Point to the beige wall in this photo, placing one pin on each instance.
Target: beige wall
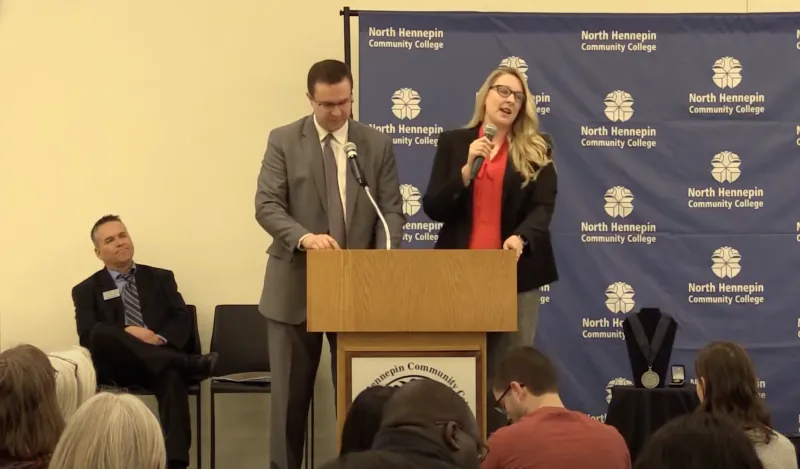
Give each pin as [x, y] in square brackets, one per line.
[159, 111]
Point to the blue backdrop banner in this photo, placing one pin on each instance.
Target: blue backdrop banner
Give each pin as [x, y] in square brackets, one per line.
[676, 137]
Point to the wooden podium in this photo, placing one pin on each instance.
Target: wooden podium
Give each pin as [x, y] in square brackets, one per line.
[405, 314]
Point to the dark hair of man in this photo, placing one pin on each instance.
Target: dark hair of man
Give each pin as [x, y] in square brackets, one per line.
[699, 440]
[363, 419]
[423, 403]
[730, 388]
[528, 367]
[102, 221]
[329, 72]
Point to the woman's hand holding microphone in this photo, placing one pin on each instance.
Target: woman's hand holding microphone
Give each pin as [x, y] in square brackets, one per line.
[480, 147]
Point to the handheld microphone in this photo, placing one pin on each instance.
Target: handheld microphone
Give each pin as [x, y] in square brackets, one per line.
[489, 131]
[351, 151]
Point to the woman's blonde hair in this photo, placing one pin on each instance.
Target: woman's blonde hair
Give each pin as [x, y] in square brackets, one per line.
[529, 151]
[30, 420]
[76, 379]
[111, 431]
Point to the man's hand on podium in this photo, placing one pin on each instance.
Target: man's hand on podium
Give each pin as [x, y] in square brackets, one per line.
[318, 241]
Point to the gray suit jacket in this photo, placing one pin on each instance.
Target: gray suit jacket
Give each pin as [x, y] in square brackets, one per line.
[291, 202]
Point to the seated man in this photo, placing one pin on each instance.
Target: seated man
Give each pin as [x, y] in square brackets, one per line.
[544, 434]
[425, 425]
[136, 325]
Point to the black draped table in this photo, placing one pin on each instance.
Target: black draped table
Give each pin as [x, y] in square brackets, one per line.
[638, 412]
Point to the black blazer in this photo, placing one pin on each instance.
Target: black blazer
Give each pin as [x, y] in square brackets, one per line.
[163, 308]
[525, 211]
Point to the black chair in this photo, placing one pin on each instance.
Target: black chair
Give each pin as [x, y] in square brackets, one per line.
[240, 338]
[195, 347]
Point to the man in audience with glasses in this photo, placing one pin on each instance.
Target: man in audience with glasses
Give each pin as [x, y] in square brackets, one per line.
[544, 434]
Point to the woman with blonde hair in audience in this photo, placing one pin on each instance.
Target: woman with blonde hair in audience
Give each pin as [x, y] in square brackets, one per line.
[76, 380]
[727, 386]
[30, 419]
[111, 431]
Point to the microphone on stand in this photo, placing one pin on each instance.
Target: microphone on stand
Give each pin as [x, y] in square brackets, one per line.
[489, 131]
[351, 151]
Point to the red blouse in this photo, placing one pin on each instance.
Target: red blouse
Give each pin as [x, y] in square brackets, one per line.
[487, 195]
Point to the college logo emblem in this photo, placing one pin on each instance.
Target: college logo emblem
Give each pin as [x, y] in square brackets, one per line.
[619, 298]
[616, 382]
[517, 63]
[619, 106]
[405, 104]
[402, 372]
[725, 166]
[401, 380]
[727, 72]
[412, 199]
[726, 262]
[618, 202]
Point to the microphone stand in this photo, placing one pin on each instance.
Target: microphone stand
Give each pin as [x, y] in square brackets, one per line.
[358, 175]
[380, 215]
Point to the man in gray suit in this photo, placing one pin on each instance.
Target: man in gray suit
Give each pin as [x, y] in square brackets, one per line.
[307, 198]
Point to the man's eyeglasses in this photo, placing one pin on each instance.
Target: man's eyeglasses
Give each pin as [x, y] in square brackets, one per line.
[498, 404]
[505, 92]
[330, 107]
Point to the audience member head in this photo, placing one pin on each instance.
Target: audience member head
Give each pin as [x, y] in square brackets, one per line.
[30, 420]
[76, 380]
[727, 385]
[373, 459]
[525, 381]
[111, 431]
[330, 93]
[363, 419]
[699, 441]
[112, 243]
[436, 412]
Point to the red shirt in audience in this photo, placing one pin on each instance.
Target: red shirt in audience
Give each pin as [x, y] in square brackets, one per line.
[557, 438]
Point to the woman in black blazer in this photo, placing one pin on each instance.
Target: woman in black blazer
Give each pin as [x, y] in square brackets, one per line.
[510, 202]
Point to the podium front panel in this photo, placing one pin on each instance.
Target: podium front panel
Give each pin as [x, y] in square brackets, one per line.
[393, 359]
[431, 290]
[457, 370]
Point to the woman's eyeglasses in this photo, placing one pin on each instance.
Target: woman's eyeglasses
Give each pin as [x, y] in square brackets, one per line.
[505, 92]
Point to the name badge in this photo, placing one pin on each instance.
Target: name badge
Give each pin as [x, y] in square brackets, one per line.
[111, 294]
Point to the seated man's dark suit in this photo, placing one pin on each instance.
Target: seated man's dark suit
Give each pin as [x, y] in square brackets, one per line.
[122, 360]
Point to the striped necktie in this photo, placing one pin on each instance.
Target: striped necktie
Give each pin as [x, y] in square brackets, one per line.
[130, 298]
